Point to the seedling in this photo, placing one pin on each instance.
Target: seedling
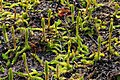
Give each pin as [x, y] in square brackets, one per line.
[26, 65]
[10, 74]
[46, 70]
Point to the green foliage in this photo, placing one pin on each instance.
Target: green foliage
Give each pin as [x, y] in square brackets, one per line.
[43, 27]
[72, 38]
[10, 74]
[46, 70]
[26, 65]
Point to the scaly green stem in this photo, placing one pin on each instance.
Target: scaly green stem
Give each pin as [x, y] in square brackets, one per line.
[10, 74]
[72, 11]
[46, 69]
[26, 65]
[57, 72]
[1, 6]
[5, 34]
[27, 47]
[110, 36]
[49, 17]
[43, 27]
[99, 46]
[68, 56]
[13, 37]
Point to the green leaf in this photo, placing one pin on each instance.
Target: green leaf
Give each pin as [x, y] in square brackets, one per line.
[4, 56]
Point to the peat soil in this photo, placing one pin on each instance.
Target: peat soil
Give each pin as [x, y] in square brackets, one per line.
[105, 69]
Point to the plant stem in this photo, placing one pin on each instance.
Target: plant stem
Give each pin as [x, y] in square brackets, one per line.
[110, 36]
[10, 74]
[72, 11]
[46, 71]
[49, 17]
[1, 7]
[57, 72]
[68, 57]
[27, 47]
[99, 46]
[26, 65]
[43, 27]
[14, 13]
[5, 34]
[13, 37]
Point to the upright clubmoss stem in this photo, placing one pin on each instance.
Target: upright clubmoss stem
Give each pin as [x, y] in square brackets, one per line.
[46, 69]
[99, 46]
[95, 3]
[10, 74]
[14, 13]
[1, 6]
[27, 1]
[77, 25]
[26, 38]
[56, 31]
[57, 72]
[110, 36]
[27, 46]
[49, 17]
[13, 37]
[26, 65]
[43, 27]
[88, 5]
[116, 9]
[72, 11]
[5, 34]
[96, 26]
[68, 57]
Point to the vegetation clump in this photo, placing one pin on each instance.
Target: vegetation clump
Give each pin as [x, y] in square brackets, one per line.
[59, 40]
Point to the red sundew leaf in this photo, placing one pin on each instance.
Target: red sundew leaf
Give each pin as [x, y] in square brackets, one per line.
[63, 11]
